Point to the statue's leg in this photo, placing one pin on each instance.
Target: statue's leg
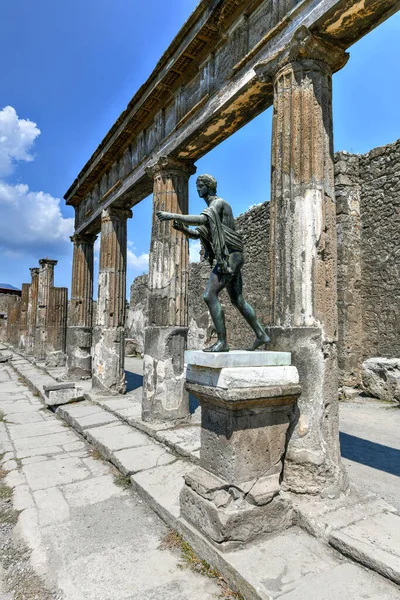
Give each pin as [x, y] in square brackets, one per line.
[235, 291]
[214, 286]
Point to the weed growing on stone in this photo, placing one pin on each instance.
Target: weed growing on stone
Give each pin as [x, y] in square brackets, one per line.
[122, 481]
[2, 415]
[95, 454]
[190, 560]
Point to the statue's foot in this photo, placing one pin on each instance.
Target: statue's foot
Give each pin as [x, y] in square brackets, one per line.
[259, 341]
[219, 346]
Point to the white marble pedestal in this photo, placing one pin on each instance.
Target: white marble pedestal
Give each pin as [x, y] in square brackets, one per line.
[247, 401]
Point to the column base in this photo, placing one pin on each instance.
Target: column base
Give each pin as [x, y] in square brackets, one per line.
[108, 360]
[312, 463]
[79, 352]
[55, 359]
[229, 514]
[164, 394]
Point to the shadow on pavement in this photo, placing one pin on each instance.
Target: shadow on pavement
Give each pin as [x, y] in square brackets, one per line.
[371, 454]
[133, 381]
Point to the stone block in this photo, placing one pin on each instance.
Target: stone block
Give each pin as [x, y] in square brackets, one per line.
[242, 377]
[381, 378]
[374, 542]
[62, 393]
[237, 359]
[228, 519]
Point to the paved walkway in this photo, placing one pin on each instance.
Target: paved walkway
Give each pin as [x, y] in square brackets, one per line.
[90, 538]
[93, 539]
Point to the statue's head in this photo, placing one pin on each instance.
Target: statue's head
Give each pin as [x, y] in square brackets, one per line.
[206, 185]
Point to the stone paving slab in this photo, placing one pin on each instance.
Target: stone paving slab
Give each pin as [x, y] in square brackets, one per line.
[133, 460]
[375, 542]
[110, 438]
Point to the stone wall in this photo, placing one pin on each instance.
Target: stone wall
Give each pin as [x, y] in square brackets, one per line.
[380, 250]
[368, 225]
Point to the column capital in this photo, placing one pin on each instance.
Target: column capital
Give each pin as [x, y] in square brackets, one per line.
[83, 238]
[116, 212]
[47, 261]
[304, 45]
[169, 165]
[34, 271]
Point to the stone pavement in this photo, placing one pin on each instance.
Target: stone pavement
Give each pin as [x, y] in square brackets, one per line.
[90, 538]
[293, 565]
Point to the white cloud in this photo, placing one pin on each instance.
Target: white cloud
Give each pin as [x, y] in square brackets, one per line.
[16, 139]
[194, 251]
[139, 263]
[32, 222]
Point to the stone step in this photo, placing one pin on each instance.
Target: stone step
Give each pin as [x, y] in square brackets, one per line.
[373, 542]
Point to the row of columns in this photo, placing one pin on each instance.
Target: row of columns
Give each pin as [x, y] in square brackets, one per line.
[303, 274]
[37, 323]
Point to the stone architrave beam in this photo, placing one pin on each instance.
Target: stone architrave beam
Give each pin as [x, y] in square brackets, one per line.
[109, 331]
[32, 310]
[23, 319]
[45, 282]
[80, 316]
[164, 396]
[304, 254]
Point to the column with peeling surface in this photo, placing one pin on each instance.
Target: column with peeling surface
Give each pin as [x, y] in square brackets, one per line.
[164, 396]
[45, 282]
[109, 332]
[23, 318]
[80, 315]
[303, 254]
[32, 310]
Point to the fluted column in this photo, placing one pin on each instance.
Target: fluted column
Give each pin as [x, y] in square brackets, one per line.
[303, 269]
[45, 282]
[32, 310]
[164, 396]
[109, 331]
[79, 331]
[23, 318]
[57, 327]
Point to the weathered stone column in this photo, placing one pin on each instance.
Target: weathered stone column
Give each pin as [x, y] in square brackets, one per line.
[303, 255]
[45, 282]
[109, 331]
[23, 318]
[57, 327]
[32, 310]
[80, 316]
[164, 396]
[13, 315]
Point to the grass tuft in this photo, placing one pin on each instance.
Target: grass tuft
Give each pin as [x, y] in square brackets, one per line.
[122, 481]
[190, 560]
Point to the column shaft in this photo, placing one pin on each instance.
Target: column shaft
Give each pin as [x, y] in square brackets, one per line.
[32, 310]
[46, 280]
[57, 327]
[303, 258]
[79, 332]
[23, 319]
[164, 396]
[109, 331]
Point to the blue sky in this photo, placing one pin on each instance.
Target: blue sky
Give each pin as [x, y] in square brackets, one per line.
[72, 67]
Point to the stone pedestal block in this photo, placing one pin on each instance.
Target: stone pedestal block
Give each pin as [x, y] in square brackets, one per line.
[235, 494]
[164, 394]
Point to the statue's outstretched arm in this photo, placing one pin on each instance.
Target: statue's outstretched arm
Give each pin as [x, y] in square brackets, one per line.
[193, 235]
[185, 219]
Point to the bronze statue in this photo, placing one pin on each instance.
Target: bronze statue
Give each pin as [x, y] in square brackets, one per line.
[221, 242]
